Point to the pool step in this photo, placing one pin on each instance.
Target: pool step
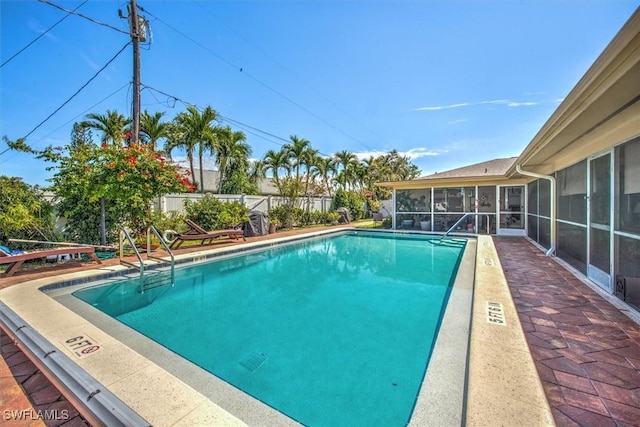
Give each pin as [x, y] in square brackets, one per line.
[157, 280]
[448, 241]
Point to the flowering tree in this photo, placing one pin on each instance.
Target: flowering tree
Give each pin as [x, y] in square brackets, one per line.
[126, 178]
[133, 176]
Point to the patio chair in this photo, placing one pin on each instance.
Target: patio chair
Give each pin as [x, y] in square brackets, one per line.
[196, 232]
[15, 258]
[377, 217]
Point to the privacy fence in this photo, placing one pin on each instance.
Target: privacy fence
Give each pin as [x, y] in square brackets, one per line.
[175, 202]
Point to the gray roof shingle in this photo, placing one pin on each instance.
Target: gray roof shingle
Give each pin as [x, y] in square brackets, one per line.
[496, 167]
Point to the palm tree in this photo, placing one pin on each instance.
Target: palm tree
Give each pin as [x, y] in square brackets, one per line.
[112, 125]
[256, 170]
[359, 175]
[152, 129]
[198, 132]
[344, 158]
[368, 165]
[173, 139]
[231, 149]
[274, 161]
[177, 138]
[326, 167]
[308, 158]
[296, 149]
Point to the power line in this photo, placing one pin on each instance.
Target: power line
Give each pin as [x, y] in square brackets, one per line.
[240, 69]
[248, 128]
[87, 109]
[74, 118]
[45, 32]
[239, 123]
[79, 90]
[279, 64]
[71, 12]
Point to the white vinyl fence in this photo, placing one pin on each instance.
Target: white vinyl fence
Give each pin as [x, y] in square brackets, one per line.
[175, 202]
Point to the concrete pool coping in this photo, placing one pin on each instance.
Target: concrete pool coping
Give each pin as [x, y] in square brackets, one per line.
[162, 399]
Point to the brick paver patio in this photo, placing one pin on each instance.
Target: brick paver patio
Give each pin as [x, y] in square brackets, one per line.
[586, 351]
[20, 378]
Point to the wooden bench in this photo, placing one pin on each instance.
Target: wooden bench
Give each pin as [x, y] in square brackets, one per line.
[15, 261]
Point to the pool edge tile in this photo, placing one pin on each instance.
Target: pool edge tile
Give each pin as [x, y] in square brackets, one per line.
[493, 389]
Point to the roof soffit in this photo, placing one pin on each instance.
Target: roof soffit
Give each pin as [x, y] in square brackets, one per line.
[611, 83]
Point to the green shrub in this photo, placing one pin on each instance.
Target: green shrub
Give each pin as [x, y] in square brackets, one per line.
[167, 221]
[23, 210]
[289, 216]
[350, 200]
[211, 213]
[312, 218]
[333, 217]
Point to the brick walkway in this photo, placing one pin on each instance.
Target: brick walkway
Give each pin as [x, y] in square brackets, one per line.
[19, 377]
[587, 352]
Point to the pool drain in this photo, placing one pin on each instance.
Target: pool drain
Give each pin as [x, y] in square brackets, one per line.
[253, 361]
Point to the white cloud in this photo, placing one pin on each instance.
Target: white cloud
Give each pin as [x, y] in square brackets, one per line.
[364, 155]
[35, 26]
[496, 101]
[521, 104]
[418, 152]
[507, 102]
[183, 161]
[88, 60]
[442, 107]
[413, 153]
[455, 122]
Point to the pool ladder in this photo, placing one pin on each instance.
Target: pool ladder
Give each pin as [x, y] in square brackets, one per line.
[158, 279]
[458, 222]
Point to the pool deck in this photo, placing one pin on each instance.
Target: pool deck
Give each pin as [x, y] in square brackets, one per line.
[585, 344]
[566, 356]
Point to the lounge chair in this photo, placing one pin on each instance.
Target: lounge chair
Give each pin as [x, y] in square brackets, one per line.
[196, 232]
[15, 259]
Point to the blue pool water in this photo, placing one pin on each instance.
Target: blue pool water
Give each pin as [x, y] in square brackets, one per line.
[330, 331]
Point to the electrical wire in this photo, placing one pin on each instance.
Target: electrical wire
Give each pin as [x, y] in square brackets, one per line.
[84, 16]
[74, 118]
[92, 107]
[79, 90]
[249, 75]
[246, 127]
[45, 32]
[282, 66]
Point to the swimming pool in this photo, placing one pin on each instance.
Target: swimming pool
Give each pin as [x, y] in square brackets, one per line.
[330, 331]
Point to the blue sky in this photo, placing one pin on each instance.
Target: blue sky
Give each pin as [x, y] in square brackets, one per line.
[447, 83]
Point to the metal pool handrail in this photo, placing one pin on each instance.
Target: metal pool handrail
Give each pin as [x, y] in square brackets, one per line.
[124, 234]
[153, 230]
[462, 219]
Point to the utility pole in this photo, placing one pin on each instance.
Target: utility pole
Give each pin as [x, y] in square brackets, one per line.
[134, 29]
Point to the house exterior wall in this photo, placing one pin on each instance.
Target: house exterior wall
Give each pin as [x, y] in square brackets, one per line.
[476, 208]
[598, 226]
